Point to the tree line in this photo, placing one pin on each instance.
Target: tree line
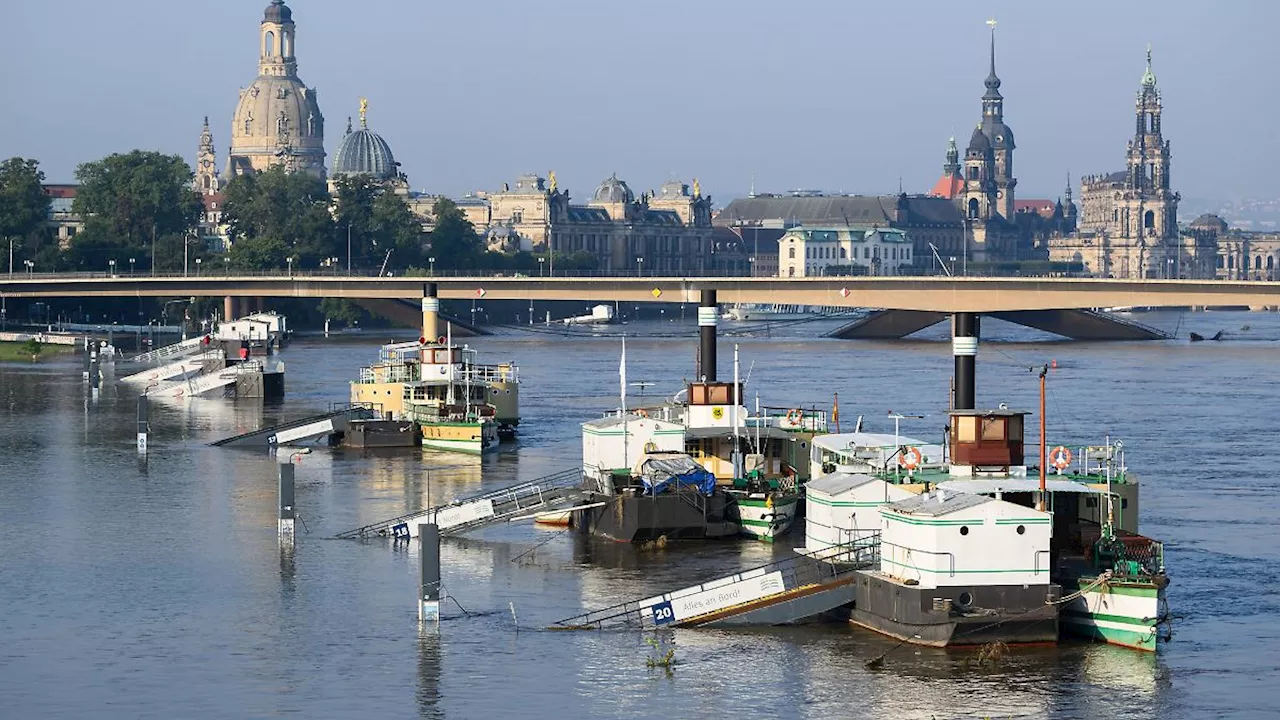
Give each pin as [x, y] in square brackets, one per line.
[141, 205]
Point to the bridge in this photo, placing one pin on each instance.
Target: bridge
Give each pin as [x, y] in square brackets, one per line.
[1049, 303]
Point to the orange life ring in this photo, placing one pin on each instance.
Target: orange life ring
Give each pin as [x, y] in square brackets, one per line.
[794, 416]
[642, 413]
[1060, 457]
[910, 458]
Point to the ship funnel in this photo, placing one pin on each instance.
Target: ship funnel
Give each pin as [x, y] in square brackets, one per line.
[964, 347]
[708, 315]
[430, 313]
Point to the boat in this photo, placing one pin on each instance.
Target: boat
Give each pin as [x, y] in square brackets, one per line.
[733, 472]
[975, 550]
[774, 312]
[458, 404]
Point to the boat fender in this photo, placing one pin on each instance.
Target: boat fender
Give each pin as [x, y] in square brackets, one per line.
[642, 413]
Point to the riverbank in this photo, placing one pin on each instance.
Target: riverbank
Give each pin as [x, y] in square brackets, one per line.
[19, 351]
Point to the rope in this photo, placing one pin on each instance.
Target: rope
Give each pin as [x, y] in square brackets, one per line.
[1100, 580]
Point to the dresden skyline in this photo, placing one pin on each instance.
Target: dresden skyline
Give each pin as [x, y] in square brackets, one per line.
[816, 95]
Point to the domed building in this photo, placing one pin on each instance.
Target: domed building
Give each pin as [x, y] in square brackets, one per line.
[612, 190]
[365, 152]
[278, 120]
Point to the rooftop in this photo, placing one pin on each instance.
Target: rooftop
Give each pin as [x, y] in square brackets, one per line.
[937, 504]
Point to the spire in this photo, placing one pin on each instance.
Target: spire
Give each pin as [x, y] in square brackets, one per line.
[993, 81]
[1148, 77]
[952, 165]
[348, 125]
[1068, 192]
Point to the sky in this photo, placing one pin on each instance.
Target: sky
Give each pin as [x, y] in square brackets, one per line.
[834, 95]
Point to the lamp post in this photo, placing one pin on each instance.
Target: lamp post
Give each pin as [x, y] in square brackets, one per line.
[198, 261]
[131, 262]
[226, 265]
[541, 263]
[348, 248]
[112, 265]
[639, 267]
[10, 257]
[289, 260]
[431, 260]
[751, 264]
[29, 265]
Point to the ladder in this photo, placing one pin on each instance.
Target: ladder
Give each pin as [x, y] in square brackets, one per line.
[558, 491]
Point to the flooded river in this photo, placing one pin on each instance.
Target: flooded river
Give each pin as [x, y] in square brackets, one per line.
[157, 589]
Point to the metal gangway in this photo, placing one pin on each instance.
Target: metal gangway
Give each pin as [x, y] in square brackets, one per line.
[302, 430]
[201, 384]
[178, 349]
[181, 368]
[554, 493]
[789, 590]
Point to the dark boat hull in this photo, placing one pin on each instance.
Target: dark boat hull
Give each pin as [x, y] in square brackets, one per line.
[639, 518]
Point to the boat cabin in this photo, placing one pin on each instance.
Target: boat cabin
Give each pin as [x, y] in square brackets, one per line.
[715, 405]
[987, 442]
[612, 445]
[842, 507]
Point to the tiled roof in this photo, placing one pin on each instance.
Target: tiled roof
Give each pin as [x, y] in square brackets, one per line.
[948, 186]
[61, 191]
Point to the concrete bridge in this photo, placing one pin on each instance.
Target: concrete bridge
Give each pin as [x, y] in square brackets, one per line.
[1060, 305]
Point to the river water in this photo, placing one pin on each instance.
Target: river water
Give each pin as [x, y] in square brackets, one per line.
[158, 589]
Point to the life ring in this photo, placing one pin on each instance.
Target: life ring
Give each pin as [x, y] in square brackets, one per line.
[1060, 457]
[444, 370]
[910, 458]
[642, 413]
[794, 416]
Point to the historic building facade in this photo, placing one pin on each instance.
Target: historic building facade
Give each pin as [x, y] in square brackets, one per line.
[365, 152]
[1241, 255]
[848, 250]
[277, 120]
[1128, 224]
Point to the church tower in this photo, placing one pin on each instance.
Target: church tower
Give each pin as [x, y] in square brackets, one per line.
[979, 178]
[278, 120]
[1151, 207]
[1000, 137]
[206, 163]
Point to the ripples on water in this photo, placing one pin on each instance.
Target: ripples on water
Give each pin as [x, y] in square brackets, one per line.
[157, 589]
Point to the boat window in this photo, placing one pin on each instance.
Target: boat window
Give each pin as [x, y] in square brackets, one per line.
[964, 529]
[966, 429]
[993, 429]
[1022, 530]
[1015, 428]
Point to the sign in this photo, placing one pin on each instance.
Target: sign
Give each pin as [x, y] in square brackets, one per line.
[717, 413]
[456, 515]
[844, 292]
[479, 292]
[400, 531]
[656, 292]
[671, 609]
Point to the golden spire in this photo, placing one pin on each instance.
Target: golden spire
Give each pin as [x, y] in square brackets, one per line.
[697, 188]
[364, 110]
[551, 179]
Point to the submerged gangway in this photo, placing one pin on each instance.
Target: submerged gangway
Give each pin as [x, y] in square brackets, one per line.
[178, 349]
[302, 430]
[183, 367]
[557, 492]
[789, 590]
[201, 384]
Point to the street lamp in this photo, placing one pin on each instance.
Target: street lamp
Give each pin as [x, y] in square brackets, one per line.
[131, 262]
[751, 264]
[112, 264]
[198, 261]
[432, 260]
[541, 262]
[290, 261]
[29, 265]
[639, 267]
[226, 265]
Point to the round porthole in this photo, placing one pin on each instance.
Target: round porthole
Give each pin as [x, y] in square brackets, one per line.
[964, 599]
[964, 529]
[1022, 530]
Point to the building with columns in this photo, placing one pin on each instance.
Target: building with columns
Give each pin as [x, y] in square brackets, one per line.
[278, 119]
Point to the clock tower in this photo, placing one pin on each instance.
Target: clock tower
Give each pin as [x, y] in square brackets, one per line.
[206, 182]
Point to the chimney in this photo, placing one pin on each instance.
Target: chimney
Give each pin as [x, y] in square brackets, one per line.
[708, 315]
[430, 313]
[964, 347]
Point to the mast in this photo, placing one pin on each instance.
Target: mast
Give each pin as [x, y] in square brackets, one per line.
[449, 354]
[1043, 453]
[622, 393]
[737, 448]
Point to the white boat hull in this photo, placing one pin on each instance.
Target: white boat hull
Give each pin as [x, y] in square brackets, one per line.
[765, 521]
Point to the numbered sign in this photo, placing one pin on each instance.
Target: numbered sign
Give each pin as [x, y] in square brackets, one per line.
[663, 614]
[400, 530]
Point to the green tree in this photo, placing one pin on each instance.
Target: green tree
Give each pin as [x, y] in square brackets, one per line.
[130, 204]
[24, 205]
[454, 242]
[379, 220]
[281, 215]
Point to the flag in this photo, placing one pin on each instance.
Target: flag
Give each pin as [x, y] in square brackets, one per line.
[622, 373]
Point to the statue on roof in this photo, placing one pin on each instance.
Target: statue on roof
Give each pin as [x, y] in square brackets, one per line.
[551, 180]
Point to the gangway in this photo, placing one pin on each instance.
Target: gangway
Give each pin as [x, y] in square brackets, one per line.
[301, 431]
[557, 492]
[178, 349]
[201, 384]
[175, 370]
[795, 588]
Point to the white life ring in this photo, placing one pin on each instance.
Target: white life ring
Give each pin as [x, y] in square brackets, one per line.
[910, 458]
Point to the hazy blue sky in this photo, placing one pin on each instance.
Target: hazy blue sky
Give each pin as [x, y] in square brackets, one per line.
[841, 95]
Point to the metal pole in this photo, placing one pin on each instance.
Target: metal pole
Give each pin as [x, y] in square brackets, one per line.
[144, 424]
[348, 247]
[1041, 504]
[429, 573]
[707, 319]
[286, 496]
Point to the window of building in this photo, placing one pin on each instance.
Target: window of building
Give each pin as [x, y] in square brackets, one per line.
[1149, 220]
[973, 207]
[517, 217]
[842, 256]
[791, 271]
[1219, 262]
[973, 173]
[866, 253]
[808, 252]
[791, 253]
[270, 48]
[1271, 262]
[1257, 262]
[1231, 262]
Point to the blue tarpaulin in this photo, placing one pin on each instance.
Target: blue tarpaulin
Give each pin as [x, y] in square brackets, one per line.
[660, 475]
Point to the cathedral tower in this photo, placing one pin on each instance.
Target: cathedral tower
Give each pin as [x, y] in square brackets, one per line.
[278, 120]
[1151, 207]
[1000, 136]
[206, 163]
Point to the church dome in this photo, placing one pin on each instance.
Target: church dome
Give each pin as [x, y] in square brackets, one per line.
[275, 112]
[979, 142]
[613, 190]
[364, 152]
[277, 12]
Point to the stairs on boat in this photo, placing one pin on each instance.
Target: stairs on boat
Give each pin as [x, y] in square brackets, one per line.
[301, 431]
[786, 591]
[558, 492]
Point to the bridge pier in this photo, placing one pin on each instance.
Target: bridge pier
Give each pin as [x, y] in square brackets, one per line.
[964, 347]
[229, 308]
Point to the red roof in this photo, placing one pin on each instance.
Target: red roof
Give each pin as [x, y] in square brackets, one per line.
[1043, 208]
[213, 201]
[61, 191]
[948, 186]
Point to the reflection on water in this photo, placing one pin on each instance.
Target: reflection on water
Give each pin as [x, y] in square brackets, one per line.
[156, 586]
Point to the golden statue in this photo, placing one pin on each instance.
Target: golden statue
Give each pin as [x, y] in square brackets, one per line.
[364, 110]
[551, 180]
[697, 188]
